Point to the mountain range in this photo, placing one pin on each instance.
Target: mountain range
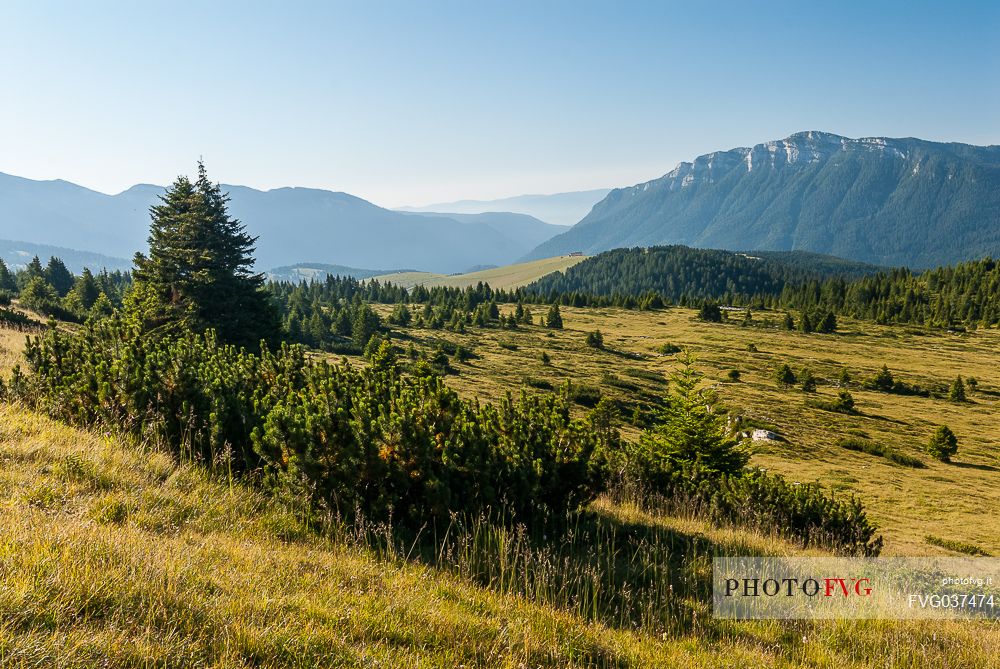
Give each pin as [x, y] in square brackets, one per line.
[17, 254]
[294, 225]
[557, 208]
[878, 200]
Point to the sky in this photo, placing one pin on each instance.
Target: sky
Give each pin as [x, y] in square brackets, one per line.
[409, 103]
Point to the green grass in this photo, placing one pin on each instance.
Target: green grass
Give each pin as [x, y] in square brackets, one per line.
[506, 277]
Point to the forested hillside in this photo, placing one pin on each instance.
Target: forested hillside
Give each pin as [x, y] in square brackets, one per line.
[683, 274]
[966, 294]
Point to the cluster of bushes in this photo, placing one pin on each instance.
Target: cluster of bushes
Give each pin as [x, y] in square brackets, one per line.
[386, 444]
[843, 403]
[370, 440]
[804, 513]
[815, 320]
[883, 381]
[786, 378]
[957, 546]
[879, 450]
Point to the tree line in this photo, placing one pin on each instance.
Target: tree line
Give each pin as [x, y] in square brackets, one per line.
[962, 295]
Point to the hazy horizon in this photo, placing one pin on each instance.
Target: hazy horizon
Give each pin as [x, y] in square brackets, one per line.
[408, 105]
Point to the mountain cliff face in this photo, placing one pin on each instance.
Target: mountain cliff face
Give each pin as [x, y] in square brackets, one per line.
[293, 225]
[878, 200]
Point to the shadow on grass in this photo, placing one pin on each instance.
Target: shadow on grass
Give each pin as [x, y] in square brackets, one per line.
[972, 465]
[624, 574]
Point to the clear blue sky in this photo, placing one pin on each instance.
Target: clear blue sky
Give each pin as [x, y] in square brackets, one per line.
[416, 102]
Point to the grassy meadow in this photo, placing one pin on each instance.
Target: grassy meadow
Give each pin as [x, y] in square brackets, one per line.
[955, 501]
[115, 555]
[502, 278]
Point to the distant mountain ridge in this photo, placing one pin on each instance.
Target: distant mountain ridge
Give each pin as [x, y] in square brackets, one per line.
[17, 254]
[519, 228]
[877, 200]
[557, 208]
[294, 225]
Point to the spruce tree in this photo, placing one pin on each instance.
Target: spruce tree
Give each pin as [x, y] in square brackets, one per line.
[7, 281]
[957, 392]
[785, 376]
[554, 318]
[37, 294]
[34, 270]
[883, 380]
[828, 324]
[84, 293]
[692, 435]
[364, 325]
[58, 276]
[943, 444]
[199, 271]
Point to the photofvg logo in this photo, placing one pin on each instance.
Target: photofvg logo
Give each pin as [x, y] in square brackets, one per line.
[794, 587]
[874, 588]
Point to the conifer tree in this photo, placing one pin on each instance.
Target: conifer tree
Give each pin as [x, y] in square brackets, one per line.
[37, 294]
[808, 381]
[84, 293]
[58, 276]
[785, 376]
[199, 271]
[957, 392]
[7, 281]
[883, 380]
[554, 318]
[692, 435]
[828, 324]
[34, 270]
[364, 325]
[943, 444]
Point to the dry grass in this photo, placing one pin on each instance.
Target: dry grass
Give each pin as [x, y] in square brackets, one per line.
[11, 345]
[506, 277]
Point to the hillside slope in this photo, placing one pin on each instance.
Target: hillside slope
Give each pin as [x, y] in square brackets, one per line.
[505, 277]
[879, 200]
[677, 272]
